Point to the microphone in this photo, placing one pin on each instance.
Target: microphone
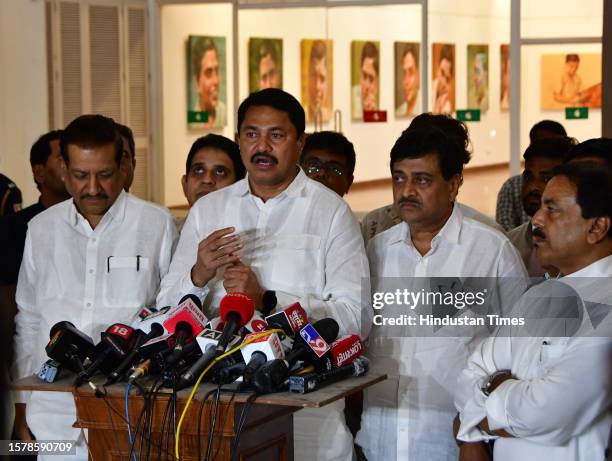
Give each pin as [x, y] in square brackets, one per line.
[69, 346]
[256, 323]
[115, 342]
[345, 350]
[313, 381]
[310, 346]
[159, 316]
[291, 319]
[156, 330]
[258, 352]
[189, 310]
[235, 309]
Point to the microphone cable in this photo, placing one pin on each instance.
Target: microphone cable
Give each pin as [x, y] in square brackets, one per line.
[199, 380]
[240, 427]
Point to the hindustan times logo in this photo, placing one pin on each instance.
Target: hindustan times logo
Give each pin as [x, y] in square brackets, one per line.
[412, 299]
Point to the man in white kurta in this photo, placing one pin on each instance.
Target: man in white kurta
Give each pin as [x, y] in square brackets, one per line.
[409, 416]
[277, 231]
[544, 396]
[94, 260]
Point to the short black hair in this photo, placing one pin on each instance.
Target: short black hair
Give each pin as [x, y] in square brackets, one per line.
[218, 142]
[597, 147]
[89, 131]
[267, 47]
[455, 129]
[572, 57]
[550, 127]
[127, 133]
[318, 50]
[200, 47]
[279, 100]
[554, 148]
[333, 142]
[41, 149]
[419, 142]
[413, 49]
[593, 188]
[369, 50]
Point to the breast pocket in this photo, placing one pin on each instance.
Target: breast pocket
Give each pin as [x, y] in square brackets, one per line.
[550, 354]
[128, 281]
[295, 262]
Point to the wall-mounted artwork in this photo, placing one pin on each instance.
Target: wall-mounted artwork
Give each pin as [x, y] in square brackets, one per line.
[206, 82]
[570, 80]
[365, 77]
[478, 77]
[407, 79]
[317, 58]
[265, 63]
[443, 78]
[504, 77]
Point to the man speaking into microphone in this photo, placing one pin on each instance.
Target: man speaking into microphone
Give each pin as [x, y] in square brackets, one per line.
[279, 237]
[94, 260]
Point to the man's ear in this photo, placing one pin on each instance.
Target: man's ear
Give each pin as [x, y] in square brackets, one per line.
[184, 184]
[300, 143]
[454, 184]
[39, 173]
[599, 229]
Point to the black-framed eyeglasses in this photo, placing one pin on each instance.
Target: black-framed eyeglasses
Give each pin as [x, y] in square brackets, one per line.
[315, 165]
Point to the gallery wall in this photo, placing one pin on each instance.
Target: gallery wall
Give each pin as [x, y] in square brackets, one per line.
[177, 23]
[470, 22]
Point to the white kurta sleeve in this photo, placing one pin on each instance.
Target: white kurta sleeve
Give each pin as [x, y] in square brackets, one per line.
[347, 280]
[490, 355]
[27, 320]
[177, 281]
[562, 403]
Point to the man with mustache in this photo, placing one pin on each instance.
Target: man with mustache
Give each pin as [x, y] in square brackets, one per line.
[383, 218]
[517, 385]
[93, 260]
[540, 158]
[280, 238]
[409, 416]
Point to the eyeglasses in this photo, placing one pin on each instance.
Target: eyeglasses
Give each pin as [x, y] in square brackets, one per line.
[315, 165]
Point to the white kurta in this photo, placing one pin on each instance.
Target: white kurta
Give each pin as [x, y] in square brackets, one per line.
[557, 408]
[91, 277]
[409, 416]
[306, 245]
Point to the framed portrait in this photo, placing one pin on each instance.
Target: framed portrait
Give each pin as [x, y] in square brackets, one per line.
[407, 79]
[504, 77]
[365, 77]
[443, 78]
[317, 71]
[206, 82]
[478, 77]
[570, 80]
[265, 63]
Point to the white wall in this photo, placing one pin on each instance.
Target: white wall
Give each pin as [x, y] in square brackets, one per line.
[177, 23]
[23, 89]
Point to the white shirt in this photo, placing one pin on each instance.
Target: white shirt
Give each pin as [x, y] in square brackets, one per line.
[304, 243]
[91, 277]
[409, 416]
[383, 218]
[557, 408]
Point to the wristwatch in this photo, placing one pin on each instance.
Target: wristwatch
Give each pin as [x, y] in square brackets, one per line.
[495, 380]
[269, 301]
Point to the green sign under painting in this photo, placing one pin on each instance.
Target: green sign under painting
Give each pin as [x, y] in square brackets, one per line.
[197, 117]
[469, 115]
[572, 113]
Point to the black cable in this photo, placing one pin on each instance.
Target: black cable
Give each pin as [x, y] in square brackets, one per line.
[213, 424]
[163, 430]
[227, 413]
[199, 444]
[241, 422]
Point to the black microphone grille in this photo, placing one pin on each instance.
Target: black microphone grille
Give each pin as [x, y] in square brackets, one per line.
[197, 301]
[328, 328]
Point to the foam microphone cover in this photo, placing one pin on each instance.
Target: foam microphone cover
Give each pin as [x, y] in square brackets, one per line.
[234, 305]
